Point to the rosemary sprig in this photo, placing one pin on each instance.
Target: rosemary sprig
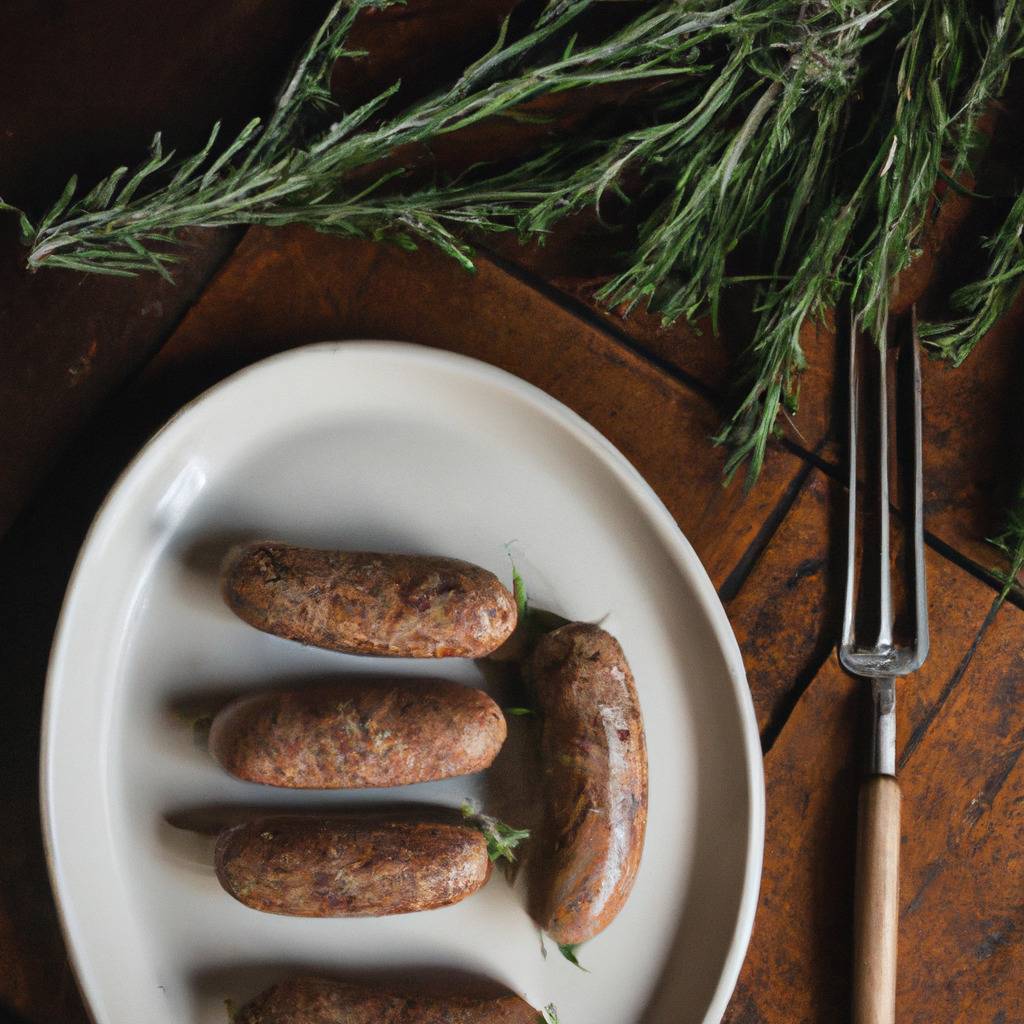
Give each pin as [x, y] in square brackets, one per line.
[804, 135]
[1001, 44]
[775, 356]
[984, 302]
[736, 155]
[282, 173]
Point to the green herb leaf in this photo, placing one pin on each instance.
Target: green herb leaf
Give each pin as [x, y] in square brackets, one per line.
[569, 952]
[519, 590]
[25, 226]
[61, 205]
[549, 1015]
[502, 839]
[520, 712]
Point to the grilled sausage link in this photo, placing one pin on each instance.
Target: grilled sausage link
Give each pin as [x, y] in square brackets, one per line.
[311, 1000]
[358, 602]
[338, 867]
[595, 773]
[359, 733]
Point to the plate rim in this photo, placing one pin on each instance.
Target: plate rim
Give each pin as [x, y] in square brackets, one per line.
[704, 589]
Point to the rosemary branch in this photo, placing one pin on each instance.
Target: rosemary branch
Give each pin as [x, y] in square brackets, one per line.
[804, 136]
[281, 173]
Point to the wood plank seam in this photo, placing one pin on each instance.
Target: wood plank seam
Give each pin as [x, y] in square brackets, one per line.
[584, 313]
[979, 572]
[209, 277]
[937, 544]
[803, 677]
[738, 576]
[801, 684]
[921, 729]
[774, 728]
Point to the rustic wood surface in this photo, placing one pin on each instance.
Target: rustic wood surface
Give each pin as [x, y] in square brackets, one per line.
[90, 368]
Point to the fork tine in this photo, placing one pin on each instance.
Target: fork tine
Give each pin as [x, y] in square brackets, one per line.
[882, 658]
[919, 583]
[851, 513]
[884, 573]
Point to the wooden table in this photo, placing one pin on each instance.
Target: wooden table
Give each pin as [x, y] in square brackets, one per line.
[90, 367]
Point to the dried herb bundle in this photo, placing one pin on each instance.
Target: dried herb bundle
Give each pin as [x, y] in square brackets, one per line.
[808, 135]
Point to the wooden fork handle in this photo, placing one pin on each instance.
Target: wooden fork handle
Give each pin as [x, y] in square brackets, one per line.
[876, 901]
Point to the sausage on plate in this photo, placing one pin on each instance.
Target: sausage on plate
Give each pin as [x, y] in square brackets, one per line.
[311, 1000]
[358, 733]
[595, 777]
[307, 866]
[359, 602]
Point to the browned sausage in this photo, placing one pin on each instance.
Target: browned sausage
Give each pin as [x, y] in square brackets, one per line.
[338, 867]
[310, 1000]
[357, 734]
[595, 775]
[408, 606]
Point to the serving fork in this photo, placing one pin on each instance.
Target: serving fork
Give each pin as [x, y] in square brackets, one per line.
[881, 658]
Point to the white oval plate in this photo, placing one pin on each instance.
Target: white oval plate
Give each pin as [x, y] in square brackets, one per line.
[389, 447]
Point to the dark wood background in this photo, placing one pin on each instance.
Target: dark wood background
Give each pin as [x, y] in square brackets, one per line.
[89, 367]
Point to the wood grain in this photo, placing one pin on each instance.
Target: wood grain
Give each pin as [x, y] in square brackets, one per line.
[962, 912]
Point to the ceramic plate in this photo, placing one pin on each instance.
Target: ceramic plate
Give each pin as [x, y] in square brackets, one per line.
[395, 448]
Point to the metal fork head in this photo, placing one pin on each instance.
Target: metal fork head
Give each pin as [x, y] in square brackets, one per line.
[884, 657]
